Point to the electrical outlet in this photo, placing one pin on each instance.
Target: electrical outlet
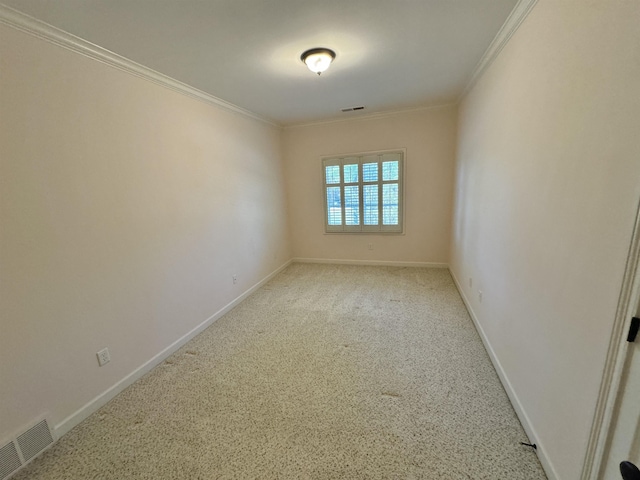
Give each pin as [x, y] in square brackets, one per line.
[235, 279]
[103, 356]
[480, 295]
[370, 246]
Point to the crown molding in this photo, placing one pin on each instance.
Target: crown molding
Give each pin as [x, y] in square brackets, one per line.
[511, 24]
[37, 28]
[370, 116]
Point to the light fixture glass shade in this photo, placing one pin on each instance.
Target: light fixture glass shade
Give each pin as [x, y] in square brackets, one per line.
[318, 59]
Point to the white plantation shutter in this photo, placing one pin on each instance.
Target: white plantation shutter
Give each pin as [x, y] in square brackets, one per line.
[363, 193]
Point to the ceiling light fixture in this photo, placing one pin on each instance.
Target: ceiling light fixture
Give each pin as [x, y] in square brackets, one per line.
[318, 59]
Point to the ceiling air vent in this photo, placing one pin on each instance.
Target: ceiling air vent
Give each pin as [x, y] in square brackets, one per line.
[352, 109]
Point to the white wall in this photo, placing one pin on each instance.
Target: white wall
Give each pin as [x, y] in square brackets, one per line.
[125, 209]
[429, 138]
[547, 186]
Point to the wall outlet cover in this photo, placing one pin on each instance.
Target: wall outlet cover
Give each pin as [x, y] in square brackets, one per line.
[103, 356]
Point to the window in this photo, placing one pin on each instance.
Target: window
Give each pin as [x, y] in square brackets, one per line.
[363, 193]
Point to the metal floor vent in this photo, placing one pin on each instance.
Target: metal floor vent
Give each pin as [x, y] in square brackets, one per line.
[9, 460]
[24, 448]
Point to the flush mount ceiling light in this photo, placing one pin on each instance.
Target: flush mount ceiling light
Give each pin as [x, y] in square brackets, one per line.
[318, 59]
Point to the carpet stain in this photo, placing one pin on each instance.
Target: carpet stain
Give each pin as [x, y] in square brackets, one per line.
[391, 394]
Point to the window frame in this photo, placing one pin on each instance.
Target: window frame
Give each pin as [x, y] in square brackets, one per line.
[360, 159]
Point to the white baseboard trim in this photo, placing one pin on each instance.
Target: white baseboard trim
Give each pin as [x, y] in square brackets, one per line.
[383, 263]
[96, 403]
[513, 397]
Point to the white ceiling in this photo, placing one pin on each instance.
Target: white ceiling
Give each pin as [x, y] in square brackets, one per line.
[391, 54]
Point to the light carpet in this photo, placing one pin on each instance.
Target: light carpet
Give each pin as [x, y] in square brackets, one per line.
[327, 372]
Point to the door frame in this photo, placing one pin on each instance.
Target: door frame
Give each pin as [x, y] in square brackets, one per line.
[616, 355]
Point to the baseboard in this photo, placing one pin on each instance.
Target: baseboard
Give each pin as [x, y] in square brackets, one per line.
[513, 397]
[384, 263]
[96, 403]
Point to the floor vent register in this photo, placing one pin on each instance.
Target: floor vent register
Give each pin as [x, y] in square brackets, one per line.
[24, 448]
